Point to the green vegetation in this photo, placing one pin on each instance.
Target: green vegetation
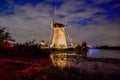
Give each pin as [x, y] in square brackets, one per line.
[4, 35]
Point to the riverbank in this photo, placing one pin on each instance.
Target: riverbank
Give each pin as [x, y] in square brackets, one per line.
[32, 63]
[42, 69]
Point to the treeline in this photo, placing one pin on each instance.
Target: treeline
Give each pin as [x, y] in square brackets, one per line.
[24, 51]
[108, 47]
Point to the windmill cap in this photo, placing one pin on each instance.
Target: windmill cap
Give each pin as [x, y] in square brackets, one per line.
[58, 25]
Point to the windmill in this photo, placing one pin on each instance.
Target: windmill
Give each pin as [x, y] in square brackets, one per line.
[59, 39]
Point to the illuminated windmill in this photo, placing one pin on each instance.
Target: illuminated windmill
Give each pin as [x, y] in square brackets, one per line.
[59, 39]
[60, 36]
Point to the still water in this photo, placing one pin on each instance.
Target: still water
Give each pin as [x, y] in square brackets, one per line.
[97, 53]
[67, 59]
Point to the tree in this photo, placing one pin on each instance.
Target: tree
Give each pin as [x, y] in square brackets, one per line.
[4, 35]
[84, 44]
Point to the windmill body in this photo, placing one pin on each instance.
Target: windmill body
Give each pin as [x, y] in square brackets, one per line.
[59, 38]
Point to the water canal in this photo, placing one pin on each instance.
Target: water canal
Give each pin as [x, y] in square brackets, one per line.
[63, 59]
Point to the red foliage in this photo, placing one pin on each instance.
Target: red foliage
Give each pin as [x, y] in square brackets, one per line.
[30, 71]
[6, 45]
[42, 77]
[42, 61]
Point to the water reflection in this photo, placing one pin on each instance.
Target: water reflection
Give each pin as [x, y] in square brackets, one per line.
[74, 58]
[93, 52]
[62, 60]
[97, 53]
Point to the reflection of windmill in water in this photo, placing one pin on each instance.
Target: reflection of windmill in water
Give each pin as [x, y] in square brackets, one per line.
[60, 37]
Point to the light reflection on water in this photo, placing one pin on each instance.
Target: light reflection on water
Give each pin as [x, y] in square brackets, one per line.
[92, 52]
[72, 59]
[97, 53]
[64, 59]
[59, 59]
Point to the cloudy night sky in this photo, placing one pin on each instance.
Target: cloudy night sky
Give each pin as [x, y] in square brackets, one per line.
[95, 21]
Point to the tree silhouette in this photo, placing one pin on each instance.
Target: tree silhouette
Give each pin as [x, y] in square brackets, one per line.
[4, 35]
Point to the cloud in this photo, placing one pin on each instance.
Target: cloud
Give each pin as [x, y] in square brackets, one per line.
[97, 35]
[101, 1]
[88, 23]
[117, 5]
[53, 1]
[28, 22]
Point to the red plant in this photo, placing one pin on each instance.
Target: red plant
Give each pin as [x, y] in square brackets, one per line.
[30, 71]
[42, 77]
[6, 45]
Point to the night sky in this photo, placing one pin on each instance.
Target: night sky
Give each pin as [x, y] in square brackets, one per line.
[95, 21]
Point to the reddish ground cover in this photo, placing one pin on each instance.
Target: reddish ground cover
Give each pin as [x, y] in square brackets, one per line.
[20, 69]
[42, 69]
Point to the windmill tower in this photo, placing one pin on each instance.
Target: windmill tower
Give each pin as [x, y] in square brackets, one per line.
[59, 38]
